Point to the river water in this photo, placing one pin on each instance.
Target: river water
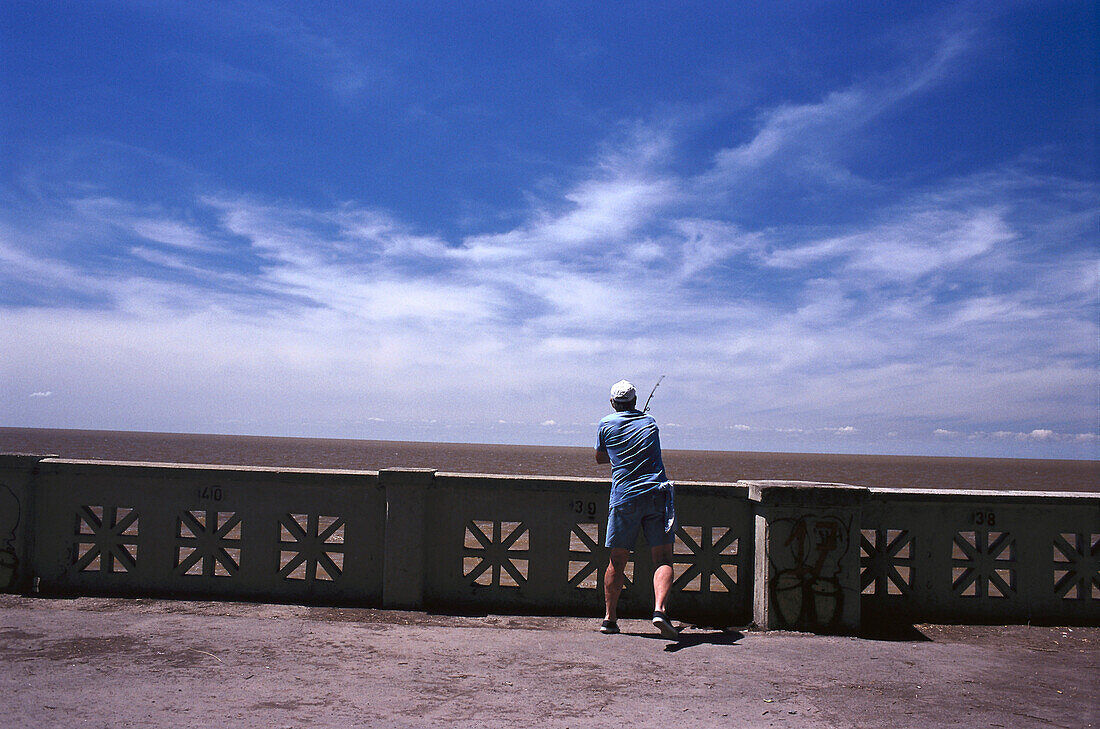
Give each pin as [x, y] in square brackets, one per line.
[862, 470]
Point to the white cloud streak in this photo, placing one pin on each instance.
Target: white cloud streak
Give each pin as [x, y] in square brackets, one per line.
[807, 139]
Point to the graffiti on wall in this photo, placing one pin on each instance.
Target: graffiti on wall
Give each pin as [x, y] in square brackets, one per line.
[9, 522]
[806, 557]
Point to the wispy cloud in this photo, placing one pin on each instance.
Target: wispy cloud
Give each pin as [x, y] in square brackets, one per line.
[919, 244]
[1040, 435]
[172, 233]
[350, 284]
[811, 138]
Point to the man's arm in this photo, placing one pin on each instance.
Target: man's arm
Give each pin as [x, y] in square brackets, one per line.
[601, 449]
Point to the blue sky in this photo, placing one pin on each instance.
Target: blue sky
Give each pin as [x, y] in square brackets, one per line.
[836, 227]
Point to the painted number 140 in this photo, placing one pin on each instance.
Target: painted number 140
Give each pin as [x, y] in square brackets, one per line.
[211, 493]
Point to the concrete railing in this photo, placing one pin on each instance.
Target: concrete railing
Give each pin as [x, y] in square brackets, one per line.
[980, 557]
[814, 556]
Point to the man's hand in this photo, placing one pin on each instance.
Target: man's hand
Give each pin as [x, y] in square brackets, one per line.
[602, 457]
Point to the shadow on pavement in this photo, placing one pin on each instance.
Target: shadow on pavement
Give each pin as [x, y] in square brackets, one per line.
[690, 639]
[897, 632]
[714, 637]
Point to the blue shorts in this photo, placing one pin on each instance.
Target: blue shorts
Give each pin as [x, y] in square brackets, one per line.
[645, 512]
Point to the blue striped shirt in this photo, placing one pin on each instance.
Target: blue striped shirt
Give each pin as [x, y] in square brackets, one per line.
[631, 441]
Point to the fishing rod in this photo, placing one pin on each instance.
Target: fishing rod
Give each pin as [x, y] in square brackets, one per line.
[645, 409]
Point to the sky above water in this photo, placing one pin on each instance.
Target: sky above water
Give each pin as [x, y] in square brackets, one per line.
[833, 227]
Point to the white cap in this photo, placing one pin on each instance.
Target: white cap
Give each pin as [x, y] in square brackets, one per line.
[623, 391]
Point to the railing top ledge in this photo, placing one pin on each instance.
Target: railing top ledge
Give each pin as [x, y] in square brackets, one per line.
[580, 481]
[151, 465]
[22, 460]
[530, 478]
[418, 477]
[804, 493]
[889, 494]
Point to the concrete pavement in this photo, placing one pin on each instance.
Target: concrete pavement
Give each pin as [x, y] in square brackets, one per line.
[98, 662]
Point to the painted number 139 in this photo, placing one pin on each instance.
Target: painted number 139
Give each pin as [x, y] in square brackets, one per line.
[581, 507]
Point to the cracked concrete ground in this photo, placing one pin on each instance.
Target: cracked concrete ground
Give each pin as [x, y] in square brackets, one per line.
[104, 662]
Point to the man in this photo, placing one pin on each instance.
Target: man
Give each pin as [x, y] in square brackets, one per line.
[641, 499]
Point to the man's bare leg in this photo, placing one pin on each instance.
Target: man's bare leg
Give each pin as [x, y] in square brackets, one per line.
[662, 576]
[613, 581]
[662, 585]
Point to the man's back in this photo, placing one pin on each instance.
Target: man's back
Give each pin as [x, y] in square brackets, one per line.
[633, 444]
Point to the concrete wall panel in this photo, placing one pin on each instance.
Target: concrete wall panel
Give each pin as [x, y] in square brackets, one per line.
[981, 557]
[209, 532]
[17, 473]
